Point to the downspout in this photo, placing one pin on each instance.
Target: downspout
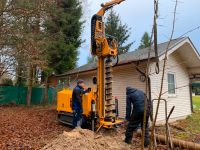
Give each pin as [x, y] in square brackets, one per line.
[149, 84]
[191, 102]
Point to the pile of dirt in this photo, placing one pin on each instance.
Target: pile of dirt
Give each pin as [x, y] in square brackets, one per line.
[81, 139]
[28, 127]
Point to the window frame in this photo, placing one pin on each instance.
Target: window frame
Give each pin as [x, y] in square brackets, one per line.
[175, 91]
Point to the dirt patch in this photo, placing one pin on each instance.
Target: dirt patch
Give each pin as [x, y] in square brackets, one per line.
[87, 140]
[28, 128]
[187, 129]
[81, 139]
[37, 127]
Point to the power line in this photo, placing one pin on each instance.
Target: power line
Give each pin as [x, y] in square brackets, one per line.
[189, 31]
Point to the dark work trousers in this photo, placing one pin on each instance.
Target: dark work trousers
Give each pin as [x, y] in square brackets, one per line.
[77, 116]
[135, 122]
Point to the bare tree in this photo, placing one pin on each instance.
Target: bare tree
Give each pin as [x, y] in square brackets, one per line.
[23, 39]
[163, 71]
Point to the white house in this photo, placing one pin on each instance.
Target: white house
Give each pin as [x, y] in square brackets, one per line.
[183, 60]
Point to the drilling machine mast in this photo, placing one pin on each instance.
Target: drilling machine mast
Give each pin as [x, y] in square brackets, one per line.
[99, 107]
[104, 49]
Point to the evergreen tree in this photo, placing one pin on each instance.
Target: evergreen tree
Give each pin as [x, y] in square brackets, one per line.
[65, 26]
[91, 59]
[145, 41]
[115, 28]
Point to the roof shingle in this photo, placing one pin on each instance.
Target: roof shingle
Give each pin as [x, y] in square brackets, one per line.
[139, 54]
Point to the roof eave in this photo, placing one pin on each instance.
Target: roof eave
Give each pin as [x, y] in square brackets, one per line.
[120, 64]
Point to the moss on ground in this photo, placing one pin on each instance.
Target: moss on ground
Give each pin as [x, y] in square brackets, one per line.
[189, 128]
[191, 125]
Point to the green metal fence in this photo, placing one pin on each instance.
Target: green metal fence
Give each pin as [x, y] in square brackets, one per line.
[17, 95]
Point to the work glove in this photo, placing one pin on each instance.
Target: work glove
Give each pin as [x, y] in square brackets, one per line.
[89, 90]
[126, 123]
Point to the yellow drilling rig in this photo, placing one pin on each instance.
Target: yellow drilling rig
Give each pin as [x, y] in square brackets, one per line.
[100, 109]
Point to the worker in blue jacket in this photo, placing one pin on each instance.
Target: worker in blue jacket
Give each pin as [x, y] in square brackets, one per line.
[77, 94]
[135, 113]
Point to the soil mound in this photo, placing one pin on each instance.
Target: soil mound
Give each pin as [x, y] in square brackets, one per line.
[82, 139]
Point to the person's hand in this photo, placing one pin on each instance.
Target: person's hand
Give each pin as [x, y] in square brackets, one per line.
[89, 89]
[126, 122]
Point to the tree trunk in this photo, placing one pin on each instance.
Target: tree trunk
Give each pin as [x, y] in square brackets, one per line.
[19, 74]
[29, 84]
[34, 75]
[46, 90]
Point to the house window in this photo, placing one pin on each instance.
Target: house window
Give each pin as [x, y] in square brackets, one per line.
[171, 83]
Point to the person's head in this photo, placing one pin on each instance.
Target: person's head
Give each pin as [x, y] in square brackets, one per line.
[130, 90]
[80, 83]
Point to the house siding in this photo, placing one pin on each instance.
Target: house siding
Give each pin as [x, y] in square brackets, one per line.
[87, 77]
[181, 99]
[126, 75]
[123, 76]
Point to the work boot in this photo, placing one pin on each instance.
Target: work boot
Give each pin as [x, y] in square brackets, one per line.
[146, 142]
[127, 141]
[79, 123]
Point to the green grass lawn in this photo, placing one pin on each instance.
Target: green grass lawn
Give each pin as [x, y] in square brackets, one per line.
[187, 129]
[192, 123]
[196, 102]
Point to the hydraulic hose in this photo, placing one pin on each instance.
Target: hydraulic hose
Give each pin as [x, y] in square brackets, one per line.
[149, 81]
[116, 61]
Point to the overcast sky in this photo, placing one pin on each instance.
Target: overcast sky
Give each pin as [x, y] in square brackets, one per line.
[138, 15]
